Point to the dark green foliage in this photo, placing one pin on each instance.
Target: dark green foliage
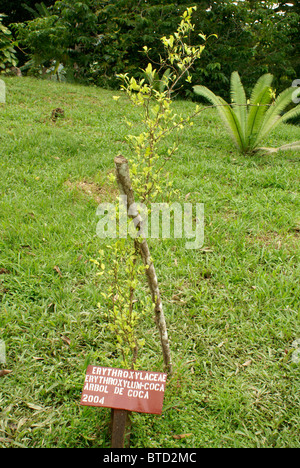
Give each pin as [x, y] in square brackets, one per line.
[253, 38]
[16, 10]
[7, 51]
[126, 27]
[65, 35]
[103, 38]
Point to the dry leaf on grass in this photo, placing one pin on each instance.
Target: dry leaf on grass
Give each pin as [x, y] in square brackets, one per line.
[5, 372]
[35, 407]
[206, 250]
[57, 269]
[4, 271]
[247, 363]
[66, 340]
[182, 436]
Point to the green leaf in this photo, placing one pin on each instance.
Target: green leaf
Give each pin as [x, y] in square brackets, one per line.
[290, 146]
[257, 114]
[227, 114]
[239, 100]
[273, 114]
[263, 82]
[291, 113]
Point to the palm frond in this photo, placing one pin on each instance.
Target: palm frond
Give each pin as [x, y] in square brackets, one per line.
[163, 83]
[264, 81]
[291, 114]
[239, 101]
[257, 113]
[289, 146]
[226, 113]
[273, 115]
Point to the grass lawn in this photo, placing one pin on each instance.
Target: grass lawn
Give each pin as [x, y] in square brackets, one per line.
[232, 307]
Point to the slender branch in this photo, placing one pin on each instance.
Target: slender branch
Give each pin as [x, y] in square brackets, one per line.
[125, 186]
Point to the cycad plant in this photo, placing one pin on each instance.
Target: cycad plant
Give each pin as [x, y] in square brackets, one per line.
[250, 121]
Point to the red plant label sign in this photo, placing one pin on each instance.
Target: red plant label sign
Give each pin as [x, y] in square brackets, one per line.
[129, 390]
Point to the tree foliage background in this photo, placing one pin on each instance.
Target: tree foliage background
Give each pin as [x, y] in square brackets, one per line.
[16, 10]
[97, 39]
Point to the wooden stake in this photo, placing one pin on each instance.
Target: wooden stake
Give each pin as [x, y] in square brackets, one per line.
[121, 427]
[125, 187]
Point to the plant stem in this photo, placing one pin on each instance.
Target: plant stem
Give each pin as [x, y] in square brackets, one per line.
[125, 186]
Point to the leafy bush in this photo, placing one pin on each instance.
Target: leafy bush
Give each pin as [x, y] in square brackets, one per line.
[7, 51]
[65, 34]
[98, 39]
[250, 121]
[20, 11]
[254, 38]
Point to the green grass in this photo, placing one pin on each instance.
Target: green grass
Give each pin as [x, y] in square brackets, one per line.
[232, 308]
